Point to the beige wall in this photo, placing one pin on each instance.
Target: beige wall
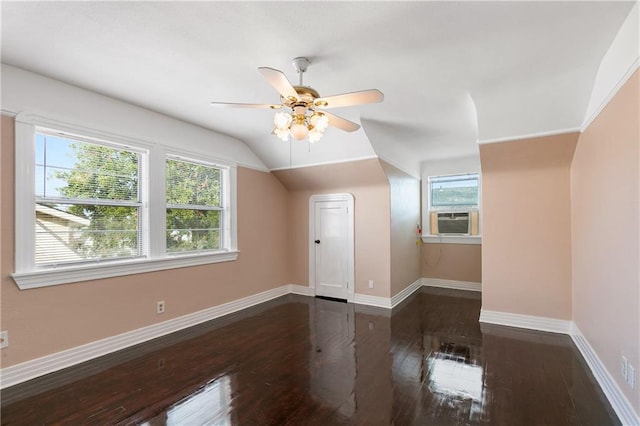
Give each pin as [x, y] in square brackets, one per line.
[526, 229]
[47, 320]
[405, 217]
[457, 262]
[367, 182]
[605, 213]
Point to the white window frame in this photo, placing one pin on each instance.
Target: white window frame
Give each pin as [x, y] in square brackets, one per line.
[450, 239]
[153, 216]
[225, 241]
[141, 203]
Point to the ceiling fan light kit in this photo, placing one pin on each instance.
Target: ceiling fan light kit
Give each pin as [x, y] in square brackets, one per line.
[303, 117]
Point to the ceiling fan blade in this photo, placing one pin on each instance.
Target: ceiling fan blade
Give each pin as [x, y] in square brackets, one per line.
[240, 105]
[348, 99]
[279, 81]
[341, 123]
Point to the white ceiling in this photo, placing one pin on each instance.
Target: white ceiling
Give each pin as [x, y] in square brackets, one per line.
[451, 72]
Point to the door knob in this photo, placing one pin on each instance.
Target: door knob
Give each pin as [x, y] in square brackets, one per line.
[317, 241]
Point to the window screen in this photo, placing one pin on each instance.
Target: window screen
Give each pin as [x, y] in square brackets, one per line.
[87, 201]
[454, 191]
[194, 206]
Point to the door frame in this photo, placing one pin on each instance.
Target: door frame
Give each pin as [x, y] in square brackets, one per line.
[319, 198]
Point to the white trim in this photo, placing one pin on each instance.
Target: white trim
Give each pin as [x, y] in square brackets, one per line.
[8, 113]
[28, 370]
[453, 284]
[24, 197]
[74, 129]
[390, 303]
[156, 203]
[531, 136]
[525, 321]
[301, 289]
[47, 364]
[452, 239]
[252, 167]
[612, 391]
[365, 299]
[619, 402]
[325, 163]
[49, 277]
[232, 209]
[614, 91]
[406, 292]
[320, 198]
[153, 246]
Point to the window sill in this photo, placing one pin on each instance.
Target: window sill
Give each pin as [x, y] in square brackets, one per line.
[452, 239]
[50, 277]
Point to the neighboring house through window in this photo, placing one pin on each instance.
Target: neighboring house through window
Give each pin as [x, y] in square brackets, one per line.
[93, 205]
[92, 190]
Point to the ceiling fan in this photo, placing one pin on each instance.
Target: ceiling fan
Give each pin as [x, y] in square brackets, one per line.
[304, 109]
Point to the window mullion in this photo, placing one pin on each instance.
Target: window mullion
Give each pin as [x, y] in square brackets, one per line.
[25, 241]
[157, 209]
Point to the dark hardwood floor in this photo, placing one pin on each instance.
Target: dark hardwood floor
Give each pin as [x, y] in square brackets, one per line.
[305, 361]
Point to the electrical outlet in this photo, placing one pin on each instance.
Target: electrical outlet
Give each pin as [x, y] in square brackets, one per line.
[631, 380]
[370, 283]
[160, 307]
[623, 367]
[4, 339]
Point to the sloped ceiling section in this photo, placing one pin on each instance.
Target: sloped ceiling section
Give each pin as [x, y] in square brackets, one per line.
[528, 67]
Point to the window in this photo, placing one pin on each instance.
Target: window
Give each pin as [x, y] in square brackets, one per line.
[453, 192]
[87, 201]
[194, 206]
[452, 213]
[87, 207]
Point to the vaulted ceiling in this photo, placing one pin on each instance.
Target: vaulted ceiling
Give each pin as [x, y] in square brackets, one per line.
[452, 72]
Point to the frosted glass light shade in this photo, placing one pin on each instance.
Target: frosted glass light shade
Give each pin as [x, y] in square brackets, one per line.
[282, 133]
[314, 136]
[320, 122]
[282, 120]
[299, 131]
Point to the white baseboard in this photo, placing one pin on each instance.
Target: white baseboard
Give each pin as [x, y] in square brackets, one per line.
[19, 373]
[612, 391]
[31, 369]
[301, 289]
[610, 388]
[406, 292]
[389, 303]
[453, 284]
[365, 299]
[22, 372]
[526, 321]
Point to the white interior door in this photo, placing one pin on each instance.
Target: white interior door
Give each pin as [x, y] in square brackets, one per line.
[332, 248]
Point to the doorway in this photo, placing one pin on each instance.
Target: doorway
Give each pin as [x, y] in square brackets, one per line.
[331, 245]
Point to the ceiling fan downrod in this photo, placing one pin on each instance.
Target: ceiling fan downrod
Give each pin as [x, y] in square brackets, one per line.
[300, 64]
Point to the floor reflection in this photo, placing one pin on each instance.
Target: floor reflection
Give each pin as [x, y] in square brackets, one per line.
[455, 378]
[333, 360]
[304, 361]
[207, 406]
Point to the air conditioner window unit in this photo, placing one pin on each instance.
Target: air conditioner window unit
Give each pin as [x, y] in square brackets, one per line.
[453, 223]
